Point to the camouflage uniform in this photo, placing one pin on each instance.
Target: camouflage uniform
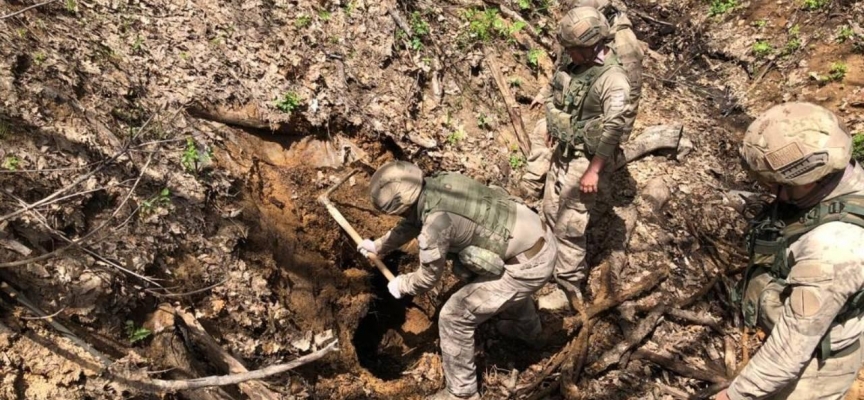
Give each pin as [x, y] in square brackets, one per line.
[813, 350]
[530, 254]
[629, 50]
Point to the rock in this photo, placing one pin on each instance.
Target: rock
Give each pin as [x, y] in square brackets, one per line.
[557, 300]
[656, 193]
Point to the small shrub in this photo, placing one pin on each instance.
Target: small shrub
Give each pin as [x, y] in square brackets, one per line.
[760, 23]
[39, 58]
[484, 25]
[812, 5]
[792, 46]
[159, 200]
[858, 146]
[762, 49]
[517, 160]
[482, 120]
[190, 156]
[455, 136]
[844, 33]
[524, 4]
[720, 7]
[136, 46]
[302, 21]
[534, 58]
[71, 6]
[136, 333]
[837, 71]
[11, 163]
[515, 82]
[290, 101]
[324, 15]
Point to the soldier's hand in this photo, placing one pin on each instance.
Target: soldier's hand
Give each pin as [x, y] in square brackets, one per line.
[550, 141]
[722, 395]
[367, 247]
[588, 183]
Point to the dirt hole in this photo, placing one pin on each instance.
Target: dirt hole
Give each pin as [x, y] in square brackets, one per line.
[390, 338]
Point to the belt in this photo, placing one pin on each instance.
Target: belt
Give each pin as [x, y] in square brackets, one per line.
[529, 254]
[846, 350]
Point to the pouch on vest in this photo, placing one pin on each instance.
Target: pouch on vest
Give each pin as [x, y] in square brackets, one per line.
[464, 274]
[560, 82]
[481, 261]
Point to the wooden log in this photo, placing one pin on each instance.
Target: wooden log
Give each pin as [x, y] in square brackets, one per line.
[678, 366]
[512, 107]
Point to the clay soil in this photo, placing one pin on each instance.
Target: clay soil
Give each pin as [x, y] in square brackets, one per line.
[166, 155]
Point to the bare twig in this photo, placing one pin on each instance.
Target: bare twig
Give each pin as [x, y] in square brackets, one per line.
[50, 316]
[196, 291]
[695, 318]
[614, 355]
[678, 367]
[159, 385]
[12, 14]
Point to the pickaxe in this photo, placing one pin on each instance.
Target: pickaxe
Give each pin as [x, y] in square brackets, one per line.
[324, 199]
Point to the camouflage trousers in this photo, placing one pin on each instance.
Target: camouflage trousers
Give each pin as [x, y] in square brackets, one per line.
[537, 164]
[830, 380]
[508, 296]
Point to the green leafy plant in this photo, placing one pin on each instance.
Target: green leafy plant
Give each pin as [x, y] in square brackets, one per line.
[455, 136]
[11, 163]
[812, 5]
[136, 333]
[858, 146]
[517, 160]
[350, 7]
[419, 28]
[534, 58]
[515, 82]
[844, 33]
[483, 25]
[324, 15]
[184, 55]
[482, 120]
[136, 46]
[762, 49]
[302, 21]
[39, 58]
[792, 45]
[720, 7]
[289, 102]
[163, 198]
[760, 23]
[71, 6]
[837, 71]
[524, 4]
[190, 156]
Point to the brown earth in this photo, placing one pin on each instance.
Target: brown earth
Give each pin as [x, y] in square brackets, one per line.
[239, 240]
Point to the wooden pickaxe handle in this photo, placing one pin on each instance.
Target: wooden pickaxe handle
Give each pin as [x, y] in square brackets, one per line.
[340, 219]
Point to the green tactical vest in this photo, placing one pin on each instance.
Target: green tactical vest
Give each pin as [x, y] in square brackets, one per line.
[772, 233]
[577, 133]
[489, 208]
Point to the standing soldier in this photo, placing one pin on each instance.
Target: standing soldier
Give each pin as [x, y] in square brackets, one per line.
[629, 51]
[502, 249]
[587, 115]
[806, 274]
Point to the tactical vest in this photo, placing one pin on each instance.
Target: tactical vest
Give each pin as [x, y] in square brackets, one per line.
[489, 208]
[564, 119]
[772, 233]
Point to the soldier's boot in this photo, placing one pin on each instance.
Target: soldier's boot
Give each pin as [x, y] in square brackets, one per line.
[445, 394]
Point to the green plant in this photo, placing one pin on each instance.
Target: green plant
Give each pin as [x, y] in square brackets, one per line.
[760, 23]
[858, 146]
[482, 120]
[844, 33]
[71, 6]
[11, 163]
[161, 199]
[814, 4]
[324, 15]
[719, 7]
[184, 55]
[524, 4]
[795, 30]
[136, 333]
[484, 24]
[534, 58]
[39, 58]
[515, 82]
[290, 101]
[302, 21]
[792, 46]
[419, 28]
[455, 136]
[350, 7]
[190, 156]
[4, 129]
[762, 49]
[137, 45]
[837, 71]
[517, 160]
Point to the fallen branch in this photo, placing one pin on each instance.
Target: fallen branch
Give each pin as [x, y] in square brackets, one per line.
[654, 138]
[512, 107]
[12, 14]
[528, 27]
[159, 385]
[234, 118]
[678, 367]
[615, 354]
[695, 318]
[256, 390]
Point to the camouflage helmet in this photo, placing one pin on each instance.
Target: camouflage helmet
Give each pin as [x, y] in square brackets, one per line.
[582, 27]
[396, 186]
[795, 144]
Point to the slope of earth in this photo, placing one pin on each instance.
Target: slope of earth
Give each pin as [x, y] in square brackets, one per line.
[169, 154]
